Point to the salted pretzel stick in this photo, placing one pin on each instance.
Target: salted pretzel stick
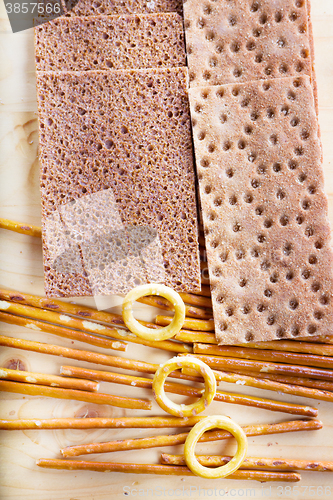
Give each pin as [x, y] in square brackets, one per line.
[60, 331]
[89, 397]
[51, 380]
[196, 300]
[322, 385]
[291, 346]
[191, 336]
[21, 227]
[169, 470]
[203, 254]
[204, 276]
[202, 241]
[232, 364]
[321, 339]
[130, 380]
[204, 292]
[174, 439]
[65, 308]
[186, 390]
[83, 325]
[99, 423]
[252, 462]
[265, 355]
[203, 325]
[88, 356]
[191, 311]
[269, 385]
[89, 313]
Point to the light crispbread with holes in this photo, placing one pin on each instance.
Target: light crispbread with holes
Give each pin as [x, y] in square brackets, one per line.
[135, 140]
[237, 41]
[109, 7]
[116, 42]
[264, 209]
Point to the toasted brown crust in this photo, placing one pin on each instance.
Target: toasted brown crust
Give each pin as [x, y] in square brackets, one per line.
[265, 212]
[132, 144]
[110, 42]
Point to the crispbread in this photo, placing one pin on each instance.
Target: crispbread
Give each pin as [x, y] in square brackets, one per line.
[312, 53]
[104, 42]
[134, 139]
[237, 41]
[109, 7]
[264, 209]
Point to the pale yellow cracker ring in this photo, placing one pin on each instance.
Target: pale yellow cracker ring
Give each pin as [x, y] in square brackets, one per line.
[148, 333]
[212, 422]
[184, 410]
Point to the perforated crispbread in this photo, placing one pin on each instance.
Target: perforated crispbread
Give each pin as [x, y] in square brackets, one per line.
[116, 42]
[264, 209]
[109, 7]
[129, 132]
[236, 41]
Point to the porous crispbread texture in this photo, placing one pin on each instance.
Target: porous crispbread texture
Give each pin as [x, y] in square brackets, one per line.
[312, 54]
[127, 131]
[109, 7]
[116, 42]
[242, 40]
[264, 209]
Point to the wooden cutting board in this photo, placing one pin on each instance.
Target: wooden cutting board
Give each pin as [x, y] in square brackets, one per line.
[21, 269]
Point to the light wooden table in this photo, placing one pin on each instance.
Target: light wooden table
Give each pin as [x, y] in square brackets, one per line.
[21, 269]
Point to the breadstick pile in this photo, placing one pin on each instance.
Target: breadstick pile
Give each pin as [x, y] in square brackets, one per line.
[82, 384]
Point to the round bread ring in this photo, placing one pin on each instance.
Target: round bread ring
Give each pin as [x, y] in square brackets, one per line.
[148, 333]
[196, 432]
[184, 410]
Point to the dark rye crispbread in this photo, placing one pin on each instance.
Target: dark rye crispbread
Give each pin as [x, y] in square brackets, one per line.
[109, 7]
[264, 209]
[242, 40]
[116, 42]
[127, 132]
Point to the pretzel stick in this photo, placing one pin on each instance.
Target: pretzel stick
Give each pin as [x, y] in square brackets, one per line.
[171, 440]
[89, 356]
[322, 385]
[99, 423]
[204, 276]
[51, 380]
[232, 364]
[191, 311]
[191, 336]
[204, 292]
[265, 355]
[169, 470]
[252, 462]
[202, 240]
[270, 385]
[321, 339]
[60, 331]
[65, 307]
[131, 468]
[92, 314]
[203, 325]
[203, 254]
[89, 397]
[196, 300]
[19, 227]
[292, 346]
[88, 312]
[84, 326]
[186, 390]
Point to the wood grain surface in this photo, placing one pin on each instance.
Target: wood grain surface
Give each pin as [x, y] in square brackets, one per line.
[21, 269]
